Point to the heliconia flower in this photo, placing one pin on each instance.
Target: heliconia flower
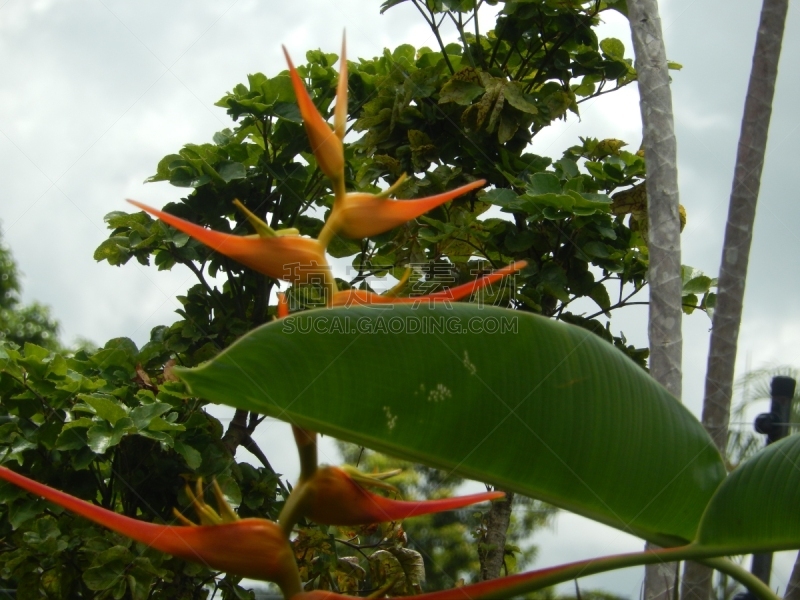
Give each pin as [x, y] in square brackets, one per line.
[254, 548]
[366, 298]
[326, 144]
[288, 257]
[332, 496]
[358, 215]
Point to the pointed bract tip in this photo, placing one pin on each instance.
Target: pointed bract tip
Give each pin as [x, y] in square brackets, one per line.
[340, 112]
[325, 144]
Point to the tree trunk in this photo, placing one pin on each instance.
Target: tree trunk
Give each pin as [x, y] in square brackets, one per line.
[664, 274]
[236, 432]
[497, 521]
[736, 248]
[741, 215]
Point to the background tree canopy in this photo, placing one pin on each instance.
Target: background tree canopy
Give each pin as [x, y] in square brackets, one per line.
[22, 323]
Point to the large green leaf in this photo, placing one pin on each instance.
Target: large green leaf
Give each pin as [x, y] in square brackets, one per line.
[756, 507]
[542, 408]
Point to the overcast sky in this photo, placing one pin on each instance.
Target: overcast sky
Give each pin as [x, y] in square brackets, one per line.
[94, 92]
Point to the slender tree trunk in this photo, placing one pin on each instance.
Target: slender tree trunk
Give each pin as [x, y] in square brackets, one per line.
[497, 522]
[664, 275]
[741, 215]
[736, 248]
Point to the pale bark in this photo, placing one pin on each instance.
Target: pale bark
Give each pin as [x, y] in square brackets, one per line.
[741, 215]
[664, 276]
[736, 249]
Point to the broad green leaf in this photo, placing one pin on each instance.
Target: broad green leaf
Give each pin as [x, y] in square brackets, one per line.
[544, 183]
[22, 511]
[159, 424]
[597, 249]
[503, 197]
[113, 250]
[535, 406]
[613, 48]
[571, 201]
[755, 508]
[514, 96]
[389, 4]
[698, 285]
[568, 167]
[144, 414]
[102, 436]
[105, 406]
[190, 455]
[599, 294]
[230, 170]
[460, 92]
[72, 439]
[108, 570]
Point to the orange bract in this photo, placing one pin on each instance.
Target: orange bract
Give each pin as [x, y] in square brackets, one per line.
[360, 215]
[332, 497]
[290, 258]
[325, 143]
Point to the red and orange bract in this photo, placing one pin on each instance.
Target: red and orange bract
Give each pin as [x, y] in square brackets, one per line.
[254, 548]
[325, 143]
[332, 497]
[290, 258]
[366, 298]
[359, 215]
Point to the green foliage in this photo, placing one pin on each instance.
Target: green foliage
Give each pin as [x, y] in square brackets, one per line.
[20, 324]
[101, 427]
